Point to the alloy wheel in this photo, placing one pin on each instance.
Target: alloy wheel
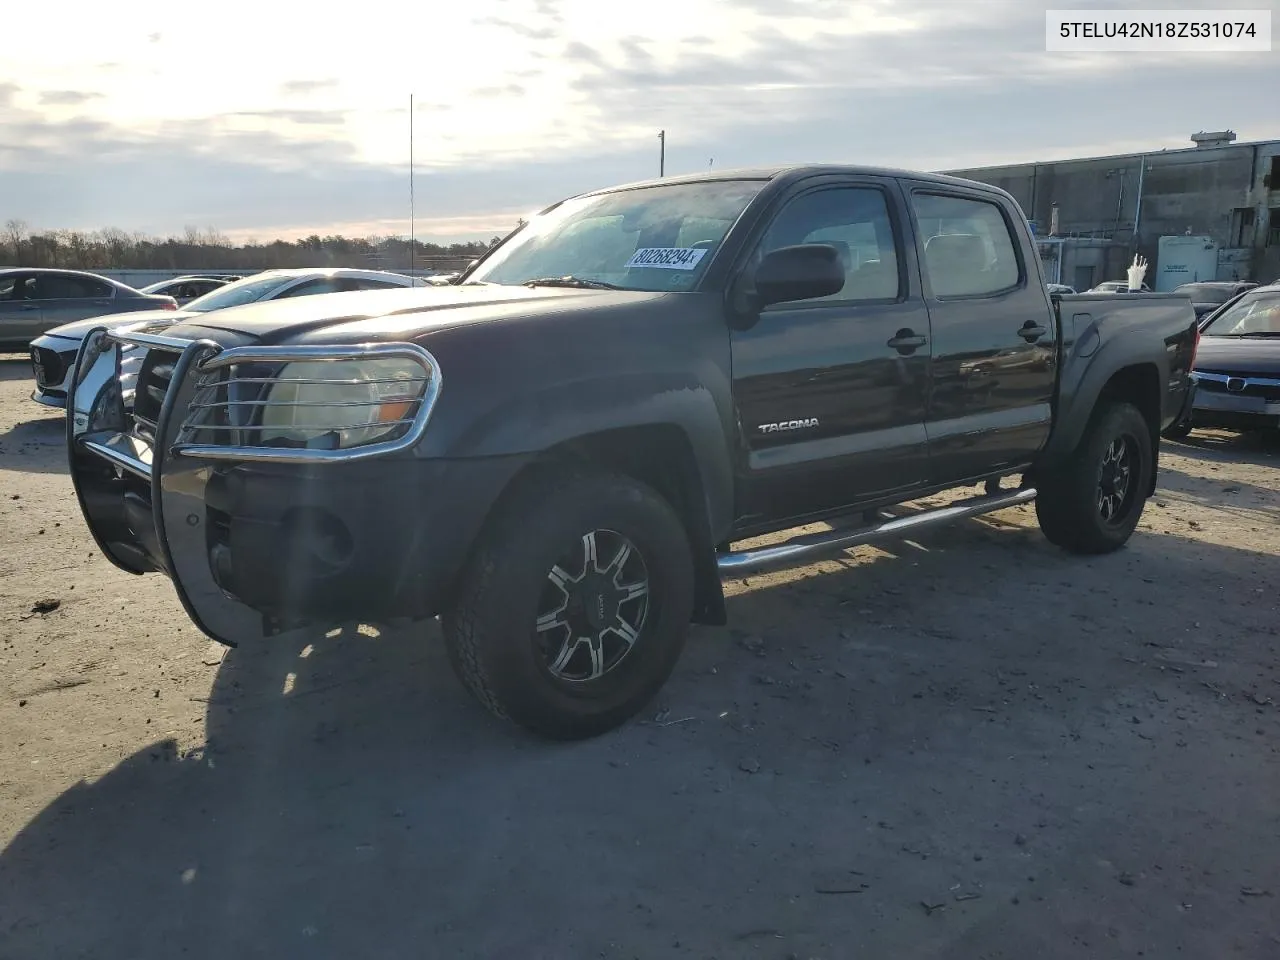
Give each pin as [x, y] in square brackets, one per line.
[593, 607]
[1114, 480]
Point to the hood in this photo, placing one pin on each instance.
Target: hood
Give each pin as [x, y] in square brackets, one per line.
[78, 329]
[398, 314]
[1239, 355]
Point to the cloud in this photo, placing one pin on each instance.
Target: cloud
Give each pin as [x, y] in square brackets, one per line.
[67, 98]
[302, 88]
[306, 117]
[505, 90]
[526, 30]
[577, 105]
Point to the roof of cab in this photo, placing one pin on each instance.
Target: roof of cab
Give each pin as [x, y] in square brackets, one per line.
[800, 171]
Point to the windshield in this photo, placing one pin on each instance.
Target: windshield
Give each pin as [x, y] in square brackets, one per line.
[1203, 293]
[234, 294]
[651, 238]
[1254, 314]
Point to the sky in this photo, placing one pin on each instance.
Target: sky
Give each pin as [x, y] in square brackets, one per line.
[265, 119]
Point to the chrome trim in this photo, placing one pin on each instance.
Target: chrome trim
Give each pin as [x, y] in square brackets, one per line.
[298, 354]
[1248, 381]
[804, 548]
[110, 449]
[148, 340]
[426, 403]
[304, 403]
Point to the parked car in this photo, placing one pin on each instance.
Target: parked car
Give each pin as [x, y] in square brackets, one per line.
[1116, 286]
[1237, 370]
[186, 289]
[566, 444]
[1208, 296]
[1059, 288]
[34, 300]
[53, 354]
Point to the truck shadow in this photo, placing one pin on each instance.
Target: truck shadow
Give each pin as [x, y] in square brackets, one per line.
[351, 801]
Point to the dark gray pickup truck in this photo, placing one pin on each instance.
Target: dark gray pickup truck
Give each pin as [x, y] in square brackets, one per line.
[557, 453]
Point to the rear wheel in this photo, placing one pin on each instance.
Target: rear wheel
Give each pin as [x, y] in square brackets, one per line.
[1094, 503]
[574, 609]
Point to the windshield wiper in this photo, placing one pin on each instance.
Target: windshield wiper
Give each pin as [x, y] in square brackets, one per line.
[1260, 335]
[578, 282]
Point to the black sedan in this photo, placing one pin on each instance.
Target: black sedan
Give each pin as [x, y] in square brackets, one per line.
[1237, 366]
[1209, 295]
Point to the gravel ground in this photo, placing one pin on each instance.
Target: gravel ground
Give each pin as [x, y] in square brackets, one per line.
[968, 746]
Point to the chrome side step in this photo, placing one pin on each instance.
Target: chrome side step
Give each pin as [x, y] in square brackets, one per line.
[807, 547]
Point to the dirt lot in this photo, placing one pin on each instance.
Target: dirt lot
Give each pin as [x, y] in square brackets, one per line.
[968, 746]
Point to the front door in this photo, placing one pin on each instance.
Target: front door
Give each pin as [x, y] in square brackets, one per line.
[20, 311]
[830, 392]
[994, 342]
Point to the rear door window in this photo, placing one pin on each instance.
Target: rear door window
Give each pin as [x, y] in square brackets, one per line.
[968, 247]
[54, 286]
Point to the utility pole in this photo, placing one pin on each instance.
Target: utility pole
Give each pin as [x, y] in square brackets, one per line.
[412, 222]
[662, 153]
[711, 162]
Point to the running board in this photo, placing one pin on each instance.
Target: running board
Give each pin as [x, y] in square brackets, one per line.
[805, 548]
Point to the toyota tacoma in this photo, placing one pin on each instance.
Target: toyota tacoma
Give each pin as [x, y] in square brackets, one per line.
[557, 452]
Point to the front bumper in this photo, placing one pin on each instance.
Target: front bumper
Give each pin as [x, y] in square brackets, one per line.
[1239, 403]
[255, 547]
[52, 362]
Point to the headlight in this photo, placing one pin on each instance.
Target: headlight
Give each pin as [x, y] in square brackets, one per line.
[339, 404]
[309, 404]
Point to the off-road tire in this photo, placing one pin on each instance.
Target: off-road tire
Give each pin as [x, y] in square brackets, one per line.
[1068, 502]
[490, 632]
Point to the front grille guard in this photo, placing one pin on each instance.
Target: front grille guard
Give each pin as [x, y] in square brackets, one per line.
[144, 502]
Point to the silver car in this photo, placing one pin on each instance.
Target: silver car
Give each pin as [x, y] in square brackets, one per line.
[53, 354]
[34, 300]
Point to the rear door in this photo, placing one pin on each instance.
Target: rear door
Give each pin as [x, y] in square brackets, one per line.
[20, 312]
[67, 296]
[830, 392]
[994, 357]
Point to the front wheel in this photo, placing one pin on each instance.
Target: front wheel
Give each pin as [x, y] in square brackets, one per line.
[1093, 504]
[575, 606]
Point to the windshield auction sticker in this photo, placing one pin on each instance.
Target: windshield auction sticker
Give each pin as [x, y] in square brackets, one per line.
[667, 258]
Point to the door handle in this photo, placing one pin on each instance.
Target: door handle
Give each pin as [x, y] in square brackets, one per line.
[1031, 331]
[907, 340]
[30, 306]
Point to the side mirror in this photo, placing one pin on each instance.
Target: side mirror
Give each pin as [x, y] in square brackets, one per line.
[800, 272]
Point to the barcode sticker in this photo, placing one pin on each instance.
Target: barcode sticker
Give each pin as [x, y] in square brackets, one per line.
[667, 258]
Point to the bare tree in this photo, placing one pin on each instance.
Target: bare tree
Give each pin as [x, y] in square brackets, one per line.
[15, 232]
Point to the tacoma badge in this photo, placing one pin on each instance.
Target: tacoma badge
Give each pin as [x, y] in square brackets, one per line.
[805, 424]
